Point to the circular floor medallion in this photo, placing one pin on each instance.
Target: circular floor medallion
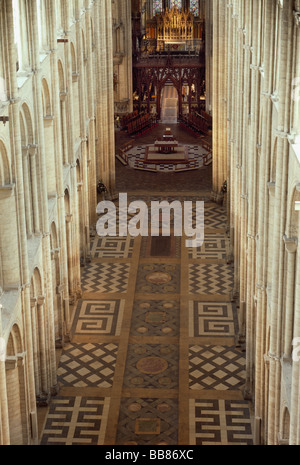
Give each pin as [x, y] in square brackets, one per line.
[152, 365]
[137, 380]
[166, 330]
[145, 305]
[142, 330]
[164, 407]
[158, 277]
[134, 407]
[168, 305]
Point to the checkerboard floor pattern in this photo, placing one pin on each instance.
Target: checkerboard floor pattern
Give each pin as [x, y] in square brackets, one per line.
[159, 364]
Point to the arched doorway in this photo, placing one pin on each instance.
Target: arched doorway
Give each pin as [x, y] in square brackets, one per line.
[169, 103]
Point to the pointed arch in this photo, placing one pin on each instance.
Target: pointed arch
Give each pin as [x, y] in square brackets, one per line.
[5, 173]
[46, 98]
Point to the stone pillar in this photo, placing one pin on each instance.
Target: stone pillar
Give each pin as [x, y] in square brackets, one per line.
[49, 313]
[58, 154]
[34, 188]
[291, 248]
[28, 211]
[4, 418]
[14, 118]
[263, 213]
[295, 382]
[284, 96]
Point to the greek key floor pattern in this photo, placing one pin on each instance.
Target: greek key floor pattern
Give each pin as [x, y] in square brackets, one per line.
[153, 356]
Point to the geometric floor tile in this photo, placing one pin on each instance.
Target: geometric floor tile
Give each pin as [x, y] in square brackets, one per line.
[220, 422]
[98, 317]
[151, 366]
[105, 277]
[76, 421]
[147, 422]
[87, 365]
[112, 247]
[212, 319]
[136, 157]
[155, 318]
[158, 278]
[214, 216]
[210, 279]
[216, 367]
[213, 247]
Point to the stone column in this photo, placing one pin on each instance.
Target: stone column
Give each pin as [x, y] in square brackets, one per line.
[284, 96]
[49, 313]
[295, 404]
[291, 248]
[34, 188]
[263, 213]
[14, 118]
[28, 211]
[51, 11]
[110, 99]
[4, 418]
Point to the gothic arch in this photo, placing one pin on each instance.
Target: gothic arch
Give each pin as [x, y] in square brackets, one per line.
[14, 343]
[285, 425]
[26, 113]
[46, 98]
[56, 284]
[5, 175]
[15, 387]
[73, 59]
[292, 214]
[61, 77]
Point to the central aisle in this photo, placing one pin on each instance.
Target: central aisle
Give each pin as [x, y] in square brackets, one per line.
[153, 357]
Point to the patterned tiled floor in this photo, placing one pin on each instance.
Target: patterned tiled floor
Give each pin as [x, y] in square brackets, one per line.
[153, 358]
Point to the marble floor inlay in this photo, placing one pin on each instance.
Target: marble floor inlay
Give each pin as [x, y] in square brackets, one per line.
[98, 317]
[220, 422]
[147, 421]
[152, 357]
[212, 319]
[216, 367]
[152, 365]
[87, 365]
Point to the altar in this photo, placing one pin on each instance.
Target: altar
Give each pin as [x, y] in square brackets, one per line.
[164, 146]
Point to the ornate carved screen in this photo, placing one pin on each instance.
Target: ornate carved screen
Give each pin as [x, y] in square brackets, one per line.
[174, 28]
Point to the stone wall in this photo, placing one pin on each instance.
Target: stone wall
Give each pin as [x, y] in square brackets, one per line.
[57, 92]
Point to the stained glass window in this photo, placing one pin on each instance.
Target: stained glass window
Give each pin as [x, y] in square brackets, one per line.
[177, 3]
[194, 7]
[157, 6]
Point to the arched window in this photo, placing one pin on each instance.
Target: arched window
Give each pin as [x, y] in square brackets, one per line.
[194, 7]
[176, 3]
[157, 6]
[20, 34]
[17, 33]
[42, 27]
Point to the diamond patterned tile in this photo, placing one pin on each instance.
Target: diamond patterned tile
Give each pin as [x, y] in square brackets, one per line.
[87, 365]
[216, 367]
